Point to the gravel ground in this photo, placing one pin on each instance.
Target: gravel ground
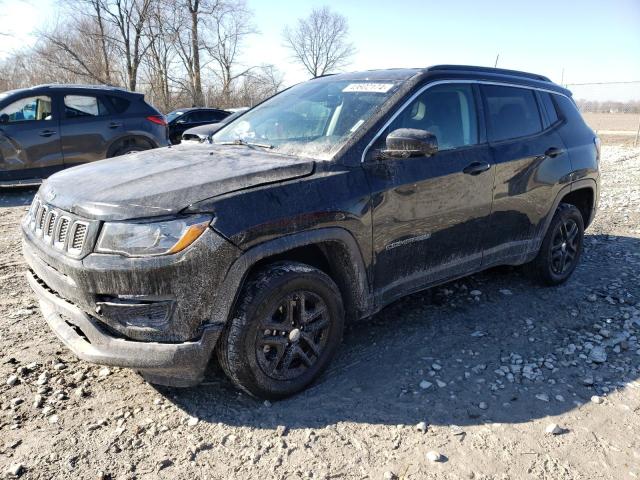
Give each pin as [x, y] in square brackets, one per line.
[487, 377]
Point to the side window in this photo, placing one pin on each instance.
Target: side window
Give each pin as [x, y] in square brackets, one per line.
[447, 111]
[119, 104]
[549, 107]
[27, 109]
[513, 112]
[83, 106]
[207, 116]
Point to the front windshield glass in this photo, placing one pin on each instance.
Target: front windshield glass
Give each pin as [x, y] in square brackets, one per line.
[313, 119]
[173, 115]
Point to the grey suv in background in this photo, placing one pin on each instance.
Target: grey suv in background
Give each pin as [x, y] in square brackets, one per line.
[50, 127]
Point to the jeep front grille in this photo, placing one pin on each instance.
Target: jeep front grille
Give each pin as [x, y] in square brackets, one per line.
[64, 231]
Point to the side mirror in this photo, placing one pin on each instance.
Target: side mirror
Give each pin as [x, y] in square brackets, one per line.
[4, 118]
[410, 142]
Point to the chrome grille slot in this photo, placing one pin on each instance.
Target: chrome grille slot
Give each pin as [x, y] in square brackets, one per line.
[79, 234]
[33, 212]
[42, 214]
[61, 232]
[51, 222]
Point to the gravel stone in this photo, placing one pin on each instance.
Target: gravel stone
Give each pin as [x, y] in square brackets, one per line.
[434, 456]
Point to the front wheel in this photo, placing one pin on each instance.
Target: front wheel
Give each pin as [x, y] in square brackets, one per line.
[286, 328]
[561, 248]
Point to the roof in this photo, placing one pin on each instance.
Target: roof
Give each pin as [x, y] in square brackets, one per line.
[455, 71]
[61, 86]
[191, 109]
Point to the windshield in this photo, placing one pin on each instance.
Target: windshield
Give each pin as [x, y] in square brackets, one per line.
[173, 115]
[313, 119]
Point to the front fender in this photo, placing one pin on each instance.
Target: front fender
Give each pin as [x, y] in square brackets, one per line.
[237, 273]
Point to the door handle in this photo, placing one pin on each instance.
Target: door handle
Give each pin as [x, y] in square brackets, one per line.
[476, 168]
[47, 133]
[553, 152]
[115, 125]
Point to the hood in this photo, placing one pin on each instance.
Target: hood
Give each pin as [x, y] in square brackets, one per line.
[164, 181]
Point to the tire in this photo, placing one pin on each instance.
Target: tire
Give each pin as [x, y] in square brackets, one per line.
[561, 247]
[259, 350]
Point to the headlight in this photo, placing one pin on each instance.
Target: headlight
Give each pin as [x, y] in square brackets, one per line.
[152, 238]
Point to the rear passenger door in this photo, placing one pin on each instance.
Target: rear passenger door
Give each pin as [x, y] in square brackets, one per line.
[87, 128]
[529, 158]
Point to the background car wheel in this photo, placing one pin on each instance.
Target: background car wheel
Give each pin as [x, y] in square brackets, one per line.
[561, 248]
[285, 330]
[129, 149]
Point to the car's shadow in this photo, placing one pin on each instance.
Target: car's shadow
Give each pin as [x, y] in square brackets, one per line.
[376, 377]
[16, 196]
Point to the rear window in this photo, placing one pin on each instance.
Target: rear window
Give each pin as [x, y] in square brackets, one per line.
[513, 112]
[118, 104]
[549, 107]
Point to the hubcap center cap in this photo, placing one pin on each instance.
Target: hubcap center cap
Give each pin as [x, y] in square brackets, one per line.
[294, 335]
[564, 246]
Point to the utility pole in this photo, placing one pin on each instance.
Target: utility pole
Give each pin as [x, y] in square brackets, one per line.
[495, 65]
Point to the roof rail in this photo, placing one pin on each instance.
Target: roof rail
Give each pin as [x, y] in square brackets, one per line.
[499, 71]
[82, 86]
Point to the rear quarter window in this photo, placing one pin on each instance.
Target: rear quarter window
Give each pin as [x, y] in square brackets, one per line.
[119, 104]
[569, 110]
[513, 112]
[549, 107]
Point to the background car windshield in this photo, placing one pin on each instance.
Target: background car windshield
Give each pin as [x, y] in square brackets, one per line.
[313, 119]
[173, 115]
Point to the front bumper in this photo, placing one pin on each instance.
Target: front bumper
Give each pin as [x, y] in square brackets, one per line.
[97, 305]
[175, 364]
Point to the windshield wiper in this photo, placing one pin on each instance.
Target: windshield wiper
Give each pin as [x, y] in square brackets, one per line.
[240, 141]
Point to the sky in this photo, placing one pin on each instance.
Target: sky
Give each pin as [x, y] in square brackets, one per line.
[570, 41]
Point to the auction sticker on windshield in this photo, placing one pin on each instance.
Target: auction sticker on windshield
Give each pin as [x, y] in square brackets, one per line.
[368, 87]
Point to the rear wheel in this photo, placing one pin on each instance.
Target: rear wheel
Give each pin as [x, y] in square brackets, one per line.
[561, 248]
[129, 149]
[285, 330]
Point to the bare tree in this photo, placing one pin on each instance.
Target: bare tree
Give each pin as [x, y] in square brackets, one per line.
[161, 32]
[129, 18]
[231, 24]
[76, 48]
[320, 42]
[190, 15]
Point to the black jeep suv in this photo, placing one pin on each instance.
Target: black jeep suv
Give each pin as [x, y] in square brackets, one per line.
[322, 205]
[47, 128]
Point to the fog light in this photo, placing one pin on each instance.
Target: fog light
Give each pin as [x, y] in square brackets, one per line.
[139, 314]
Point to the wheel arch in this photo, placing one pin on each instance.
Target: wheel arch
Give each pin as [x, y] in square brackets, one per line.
[332, 250]
[572, 192]
[127, 140]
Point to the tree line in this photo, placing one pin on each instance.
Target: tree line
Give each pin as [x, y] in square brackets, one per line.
[179, 53]
[609, 106]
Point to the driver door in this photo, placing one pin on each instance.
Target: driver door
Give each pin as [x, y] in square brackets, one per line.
[29, 139]
[430, 213]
